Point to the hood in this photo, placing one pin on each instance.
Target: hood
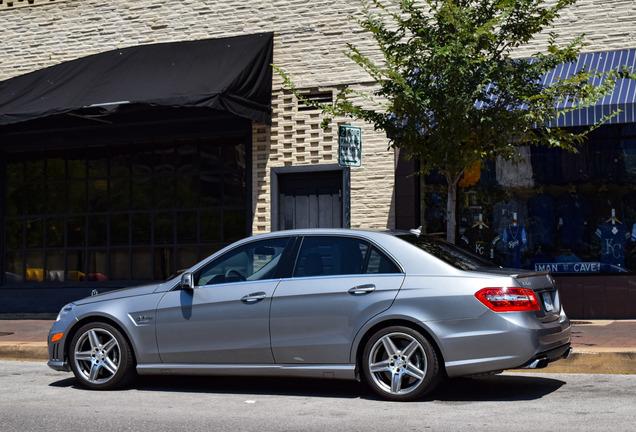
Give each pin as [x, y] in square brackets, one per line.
[120, 293]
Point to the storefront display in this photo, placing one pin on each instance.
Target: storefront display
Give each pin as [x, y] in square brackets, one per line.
[565, 212]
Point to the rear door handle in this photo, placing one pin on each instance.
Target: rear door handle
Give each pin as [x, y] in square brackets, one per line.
[254, 297]
[362, 289]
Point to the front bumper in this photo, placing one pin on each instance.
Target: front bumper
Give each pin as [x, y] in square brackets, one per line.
[57, 356]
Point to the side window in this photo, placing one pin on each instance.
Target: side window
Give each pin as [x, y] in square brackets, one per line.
[379, 263]
[253, 261]
[328, 256]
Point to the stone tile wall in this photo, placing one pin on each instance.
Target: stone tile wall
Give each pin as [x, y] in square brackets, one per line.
[310, 36]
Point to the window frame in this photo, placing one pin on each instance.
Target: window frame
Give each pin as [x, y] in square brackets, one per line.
[232, 253]
[371, 246]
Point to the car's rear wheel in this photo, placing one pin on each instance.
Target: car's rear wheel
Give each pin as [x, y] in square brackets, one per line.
[400, 364]
[100, 357]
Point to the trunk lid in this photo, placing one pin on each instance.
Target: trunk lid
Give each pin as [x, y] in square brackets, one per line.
[544, 286]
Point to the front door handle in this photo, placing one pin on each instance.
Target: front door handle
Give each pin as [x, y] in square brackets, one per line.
[254, 297]
[362, 289]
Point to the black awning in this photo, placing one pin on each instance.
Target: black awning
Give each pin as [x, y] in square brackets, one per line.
[229, 74]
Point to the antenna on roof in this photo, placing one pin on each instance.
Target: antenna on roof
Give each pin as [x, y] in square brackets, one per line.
[417, 231]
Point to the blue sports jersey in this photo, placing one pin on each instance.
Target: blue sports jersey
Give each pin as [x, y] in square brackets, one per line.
[514, 242]
[613, 238]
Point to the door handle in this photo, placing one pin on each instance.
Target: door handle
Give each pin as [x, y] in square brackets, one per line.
[362, 289]
[254, 297]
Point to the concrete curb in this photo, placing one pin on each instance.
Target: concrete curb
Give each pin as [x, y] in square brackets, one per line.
[605, 361]
[595, 363]
[24, 351]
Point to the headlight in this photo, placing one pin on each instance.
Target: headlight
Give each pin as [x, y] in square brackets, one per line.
[65, 310]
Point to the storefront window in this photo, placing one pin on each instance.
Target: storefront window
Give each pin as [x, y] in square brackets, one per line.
[122, 213]
[558, 211]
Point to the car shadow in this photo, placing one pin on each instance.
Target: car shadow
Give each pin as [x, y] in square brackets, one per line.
[494, 388]
[253, 386]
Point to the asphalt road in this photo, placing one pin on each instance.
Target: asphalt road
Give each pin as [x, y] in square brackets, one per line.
[36, 398]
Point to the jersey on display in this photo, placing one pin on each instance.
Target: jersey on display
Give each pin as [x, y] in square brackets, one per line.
[481, 241]
[613, 237]
[514, 241]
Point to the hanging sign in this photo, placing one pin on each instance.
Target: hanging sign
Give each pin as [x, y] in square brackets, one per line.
[349, 146]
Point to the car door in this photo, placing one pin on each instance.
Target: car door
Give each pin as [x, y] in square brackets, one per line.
[338, 284]
[225, 318]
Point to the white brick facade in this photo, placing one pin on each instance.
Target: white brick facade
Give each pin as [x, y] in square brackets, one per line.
[309, 38]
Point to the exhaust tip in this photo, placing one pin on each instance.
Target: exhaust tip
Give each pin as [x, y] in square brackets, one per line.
[537, 364]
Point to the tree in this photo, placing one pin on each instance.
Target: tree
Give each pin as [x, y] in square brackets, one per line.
[450, 91]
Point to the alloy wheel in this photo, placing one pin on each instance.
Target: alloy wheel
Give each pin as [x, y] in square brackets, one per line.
[97, 355]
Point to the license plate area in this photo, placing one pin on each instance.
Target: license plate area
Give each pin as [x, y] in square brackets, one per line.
[547, 301]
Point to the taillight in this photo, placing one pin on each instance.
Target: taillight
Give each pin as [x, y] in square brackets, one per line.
[508, 299]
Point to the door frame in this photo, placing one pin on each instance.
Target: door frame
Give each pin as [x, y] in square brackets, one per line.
[308, 169]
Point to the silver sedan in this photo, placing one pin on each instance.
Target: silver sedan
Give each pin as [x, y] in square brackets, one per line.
[400, 311]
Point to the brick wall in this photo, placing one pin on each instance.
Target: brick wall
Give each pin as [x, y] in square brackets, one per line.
[309, 38]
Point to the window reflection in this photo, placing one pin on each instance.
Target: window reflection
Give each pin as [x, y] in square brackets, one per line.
[141, 264]
[254, 261]
[56, 197]
[119, 213]
[119, 229]
[34, 233]
[142, 228]
[14, 234]
[97, 230]
[97, 266]
[55, 232]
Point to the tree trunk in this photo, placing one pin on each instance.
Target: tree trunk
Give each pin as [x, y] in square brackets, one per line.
[423, 223]
[451, 207]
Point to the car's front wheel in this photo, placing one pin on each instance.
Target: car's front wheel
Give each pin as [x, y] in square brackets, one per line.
[400, 364]
[100, 357]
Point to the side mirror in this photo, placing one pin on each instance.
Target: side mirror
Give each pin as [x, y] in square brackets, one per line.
[187, 281]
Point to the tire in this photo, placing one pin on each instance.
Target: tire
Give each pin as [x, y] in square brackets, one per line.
[100, 357]
[400, 364]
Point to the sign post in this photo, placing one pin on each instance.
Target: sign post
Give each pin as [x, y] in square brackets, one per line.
[349, 146]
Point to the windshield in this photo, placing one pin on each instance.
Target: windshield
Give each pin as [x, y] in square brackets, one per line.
[448, 252]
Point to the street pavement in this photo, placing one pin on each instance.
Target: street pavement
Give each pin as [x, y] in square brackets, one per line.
[599, 346]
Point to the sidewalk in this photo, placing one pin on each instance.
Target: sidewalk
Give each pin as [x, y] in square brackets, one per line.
[24, 339]
[600, 346]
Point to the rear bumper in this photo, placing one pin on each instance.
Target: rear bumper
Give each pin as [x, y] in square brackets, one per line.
[544, 359]
[498, 342]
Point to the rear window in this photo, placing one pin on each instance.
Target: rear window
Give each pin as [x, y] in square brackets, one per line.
[448, 252]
